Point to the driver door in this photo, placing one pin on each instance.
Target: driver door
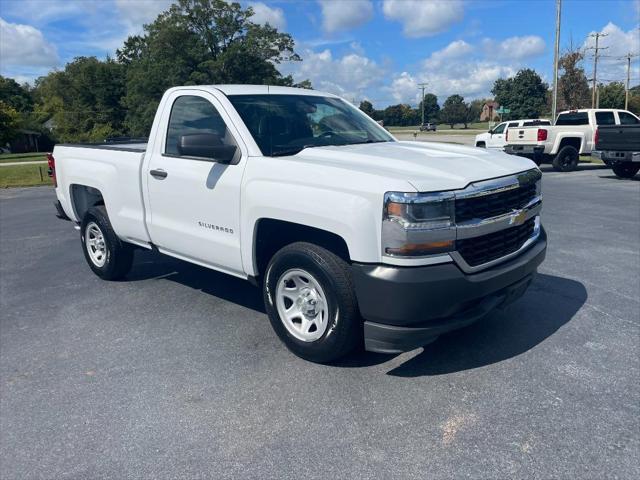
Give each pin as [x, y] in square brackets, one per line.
[497, 139]
[194, 198]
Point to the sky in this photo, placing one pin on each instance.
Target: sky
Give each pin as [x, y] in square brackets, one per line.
[378, 50]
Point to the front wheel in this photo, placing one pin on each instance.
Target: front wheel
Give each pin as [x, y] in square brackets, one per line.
[626, 170]
[311, 302]
[108, 256]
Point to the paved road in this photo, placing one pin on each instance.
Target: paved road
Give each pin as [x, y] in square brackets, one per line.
[176, 373]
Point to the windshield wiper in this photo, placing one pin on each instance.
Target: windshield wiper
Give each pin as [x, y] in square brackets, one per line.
[292, 151]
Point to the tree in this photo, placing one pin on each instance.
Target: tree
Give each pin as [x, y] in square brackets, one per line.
[431, 107]
[454, 110]
[473, 111]
[401, 115]
[573, 87]
[83, 100]
[9, 123]
[199, 42]
[612, 95]
[525, 94]
[634, 99]
[367, 107]
[15, 95]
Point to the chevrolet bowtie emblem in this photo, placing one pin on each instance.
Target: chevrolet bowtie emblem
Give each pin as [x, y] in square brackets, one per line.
[520, 218]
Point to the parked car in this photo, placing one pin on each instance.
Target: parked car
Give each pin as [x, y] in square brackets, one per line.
[428, 127]
[495, 137]
[572, 135]
[619, 147]
[354, 237]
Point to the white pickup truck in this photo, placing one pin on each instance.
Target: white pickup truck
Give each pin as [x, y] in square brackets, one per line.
[572, 135]
[354, 237]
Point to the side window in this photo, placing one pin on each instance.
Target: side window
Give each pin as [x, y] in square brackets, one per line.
[196, 129]
[500, 128]
[627, 119]
[605, 118]
[513, 124]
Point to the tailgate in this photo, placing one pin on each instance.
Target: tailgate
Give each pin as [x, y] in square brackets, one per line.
[523, 136]
[618, 138]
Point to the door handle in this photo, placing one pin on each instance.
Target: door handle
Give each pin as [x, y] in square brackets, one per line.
[158, 174]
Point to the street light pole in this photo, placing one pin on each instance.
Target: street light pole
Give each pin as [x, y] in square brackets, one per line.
[556, 54]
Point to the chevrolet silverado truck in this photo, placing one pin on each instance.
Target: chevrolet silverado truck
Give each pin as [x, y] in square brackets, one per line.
[354, 237]
[496, 136]
[619, 147]
[572, 135]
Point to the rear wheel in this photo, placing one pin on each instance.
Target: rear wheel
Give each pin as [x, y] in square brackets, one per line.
[566, 160]
[109, 257]
[626, 170]
[481, 145]
[311, 303]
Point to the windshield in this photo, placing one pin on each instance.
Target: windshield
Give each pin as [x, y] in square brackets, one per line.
[286, 124]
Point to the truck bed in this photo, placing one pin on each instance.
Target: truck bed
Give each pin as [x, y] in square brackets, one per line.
[620, 138]
[118, 146]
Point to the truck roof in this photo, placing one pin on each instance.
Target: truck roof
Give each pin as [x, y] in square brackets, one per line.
[257, 90]
[593, 110]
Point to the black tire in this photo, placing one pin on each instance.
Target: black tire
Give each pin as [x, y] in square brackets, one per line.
[344, 328]
[626, 170]
[566, 160]
[119, 255]
[481, 145]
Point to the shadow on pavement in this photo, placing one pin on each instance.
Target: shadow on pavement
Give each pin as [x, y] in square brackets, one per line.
[582, 167]
[550, 303]
[152, 265]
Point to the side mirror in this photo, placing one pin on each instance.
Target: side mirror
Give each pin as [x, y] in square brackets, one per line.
[490, 132]
[206, 145]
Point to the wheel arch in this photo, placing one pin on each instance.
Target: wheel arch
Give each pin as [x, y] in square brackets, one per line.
[83, 197]
[271, 234]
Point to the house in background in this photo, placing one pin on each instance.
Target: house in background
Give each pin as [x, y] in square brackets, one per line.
[488, 113]
[25, 141]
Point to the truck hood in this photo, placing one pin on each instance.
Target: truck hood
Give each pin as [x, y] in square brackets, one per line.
[427, 166]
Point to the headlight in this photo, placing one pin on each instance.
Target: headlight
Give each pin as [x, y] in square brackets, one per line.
[418, 224]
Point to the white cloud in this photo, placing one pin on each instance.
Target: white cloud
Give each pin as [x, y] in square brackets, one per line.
[612, 64]
[455, 50]
[348, 76]
[343, 15]
[136, 13]
[24, 46]
[422, 18]
[515, 48]
[263, 14]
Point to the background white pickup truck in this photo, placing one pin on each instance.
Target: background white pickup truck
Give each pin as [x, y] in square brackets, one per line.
[572, 135]
[349, 232]
[496, 137]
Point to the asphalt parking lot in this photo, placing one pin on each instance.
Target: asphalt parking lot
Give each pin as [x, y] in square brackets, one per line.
[176, 372]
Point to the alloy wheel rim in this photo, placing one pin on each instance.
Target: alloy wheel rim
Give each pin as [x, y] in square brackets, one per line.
[302, 305]
[95, 244]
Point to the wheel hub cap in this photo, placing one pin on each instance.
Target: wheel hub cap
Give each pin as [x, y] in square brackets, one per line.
[95, 244]
[301, 305]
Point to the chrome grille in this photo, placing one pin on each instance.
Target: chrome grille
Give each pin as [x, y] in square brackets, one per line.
[494, 204]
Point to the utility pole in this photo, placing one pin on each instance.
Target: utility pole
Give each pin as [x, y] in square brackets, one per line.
[595, 66]
[422, 87]
[629, 56]
[556, 54]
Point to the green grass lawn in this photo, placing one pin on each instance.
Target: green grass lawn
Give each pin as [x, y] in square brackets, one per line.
[23, 157]
[24, 176]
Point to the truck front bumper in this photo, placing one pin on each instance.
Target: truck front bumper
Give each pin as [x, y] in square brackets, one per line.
[533, 152]
[408, 307]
